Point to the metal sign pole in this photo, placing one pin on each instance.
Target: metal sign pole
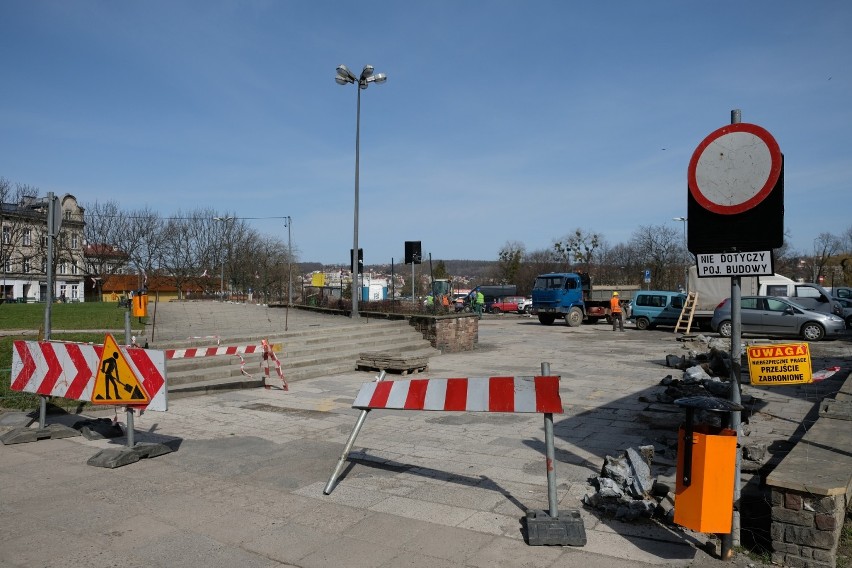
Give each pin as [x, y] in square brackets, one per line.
[550, 455]
[130, 428]
[728, 540]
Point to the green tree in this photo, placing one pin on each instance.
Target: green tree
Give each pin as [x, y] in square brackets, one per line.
[509, 262]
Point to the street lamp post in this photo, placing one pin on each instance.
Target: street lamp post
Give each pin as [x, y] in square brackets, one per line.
[222, 274]
[345, 77]
[289, 263]
[685, 247]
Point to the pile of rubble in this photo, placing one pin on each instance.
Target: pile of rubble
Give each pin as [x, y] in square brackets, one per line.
[626, 488]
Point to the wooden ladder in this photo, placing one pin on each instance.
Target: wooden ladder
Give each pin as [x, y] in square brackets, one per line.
[684, 322]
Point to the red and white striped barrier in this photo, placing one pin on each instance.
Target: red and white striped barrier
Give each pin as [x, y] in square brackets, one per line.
[489, 394]
[211, 351]
[265, 348]
[482, 394]
[69, 370]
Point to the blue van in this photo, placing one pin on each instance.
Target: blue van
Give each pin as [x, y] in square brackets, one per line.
[651, 308]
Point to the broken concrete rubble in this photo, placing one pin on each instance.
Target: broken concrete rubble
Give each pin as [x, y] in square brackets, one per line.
[624, 487]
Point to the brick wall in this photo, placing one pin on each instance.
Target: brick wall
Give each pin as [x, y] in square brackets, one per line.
[450, 333]
[806, 528]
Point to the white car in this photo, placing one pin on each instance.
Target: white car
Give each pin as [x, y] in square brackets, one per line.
[525, 305]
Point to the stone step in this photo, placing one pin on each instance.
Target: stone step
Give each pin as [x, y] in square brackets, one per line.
[307, 354]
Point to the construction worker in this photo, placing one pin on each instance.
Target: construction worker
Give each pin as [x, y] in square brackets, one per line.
[480, 303]
[615, 312]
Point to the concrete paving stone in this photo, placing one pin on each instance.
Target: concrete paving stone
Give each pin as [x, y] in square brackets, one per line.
[458, 495]
[408, 559]
[424, 511]
[344, 494]
[449, 543]
[189, 550]
[350, 552]
[289, 544]
[395, 485]
[514, 552]
[494, 523]
[649, 551]
[332, 517]
[386, 529]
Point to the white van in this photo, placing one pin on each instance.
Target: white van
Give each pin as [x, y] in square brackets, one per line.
[808, 295]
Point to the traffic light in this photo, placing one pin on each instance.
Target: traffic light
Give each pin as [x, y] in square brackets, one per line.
[412, 252]
[360, 261]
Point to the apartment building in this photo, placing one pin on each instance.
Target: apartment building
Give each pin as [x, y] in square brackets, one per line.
[23, 251]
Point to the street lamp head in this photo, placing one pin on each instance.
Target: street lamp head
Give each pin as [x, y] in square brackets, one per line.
[366, 72]
[378, 78]
[344, 73]
[679, 219]
[342, 80]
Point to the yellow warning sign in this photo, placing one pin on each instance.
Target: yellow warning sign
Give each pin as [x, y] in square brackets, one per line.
[115, 381]
[318, 279]
[781, 364]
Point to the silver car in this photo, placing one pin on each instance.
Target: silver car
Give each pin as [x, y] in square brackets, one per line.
[769, 315]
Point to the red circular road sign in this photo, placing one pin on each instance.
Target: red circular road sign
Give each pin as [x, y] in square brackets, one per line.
[734, 168]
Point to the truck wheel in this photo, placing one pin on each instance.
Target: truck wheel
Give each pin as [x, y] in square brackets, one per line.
[725, 328]
[574, 317]
[642, 323]
[546, 319]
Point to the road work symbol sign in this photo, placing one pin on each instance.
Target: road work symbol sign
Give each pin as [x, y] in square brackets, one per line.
[735, 264]
[115, 382]
[782, 364]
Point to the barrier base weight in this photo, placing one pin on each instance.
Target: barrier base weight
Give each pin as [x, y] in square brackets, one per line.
[565, 530]
[114, 457]
[49, 432]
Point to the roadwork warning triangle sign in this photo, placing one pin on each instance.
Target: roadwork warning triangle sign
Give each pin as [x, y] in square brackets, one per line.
[115, 381]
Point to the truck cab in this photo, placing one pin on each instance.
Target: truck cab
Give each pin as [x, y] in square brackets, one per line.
[560, 295]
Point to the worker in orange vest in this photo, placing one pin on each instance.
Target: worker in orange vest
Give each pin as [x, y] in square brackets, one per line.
[615, 312]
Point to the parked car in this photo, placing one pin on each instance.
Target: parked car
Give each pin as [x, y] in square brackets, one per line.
[650, 308]
[525, 305]
[768, 315]
[507, 304]
[846, 304]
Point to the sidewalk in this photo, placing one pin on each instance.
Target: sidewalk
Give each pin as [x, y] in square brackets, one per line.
[244, 486]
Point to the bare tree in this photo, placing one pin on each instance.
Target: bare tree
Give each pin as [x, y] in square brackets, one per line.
[579, 245]
[826, 246]
[185, 247]
[105, 230]
[658, 248]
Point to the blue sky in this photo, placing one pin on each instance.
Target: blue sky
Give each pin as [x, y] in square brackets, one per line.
[500, 121]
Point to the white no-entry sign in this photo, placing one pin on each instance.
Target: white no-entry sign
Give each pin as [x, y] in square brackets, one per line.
[734, 168]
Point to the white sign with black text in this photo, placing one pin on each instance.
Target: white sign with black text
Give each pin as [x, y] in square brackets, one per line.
[713, 265]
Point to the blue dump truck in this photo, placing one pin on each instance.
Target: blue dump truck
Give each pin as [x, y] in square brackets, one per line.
[570, 296]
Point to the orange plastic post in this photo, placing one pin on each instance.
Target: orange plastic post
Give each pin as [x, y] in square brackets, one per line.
[706, 504]
[140, 305]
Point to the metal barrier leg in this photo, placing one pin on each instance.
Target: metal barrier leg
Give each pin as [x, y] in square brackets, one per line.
[332, 481]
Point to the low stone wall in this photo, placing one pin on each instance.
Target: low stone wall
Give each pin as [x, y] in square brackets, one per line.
[449, 333]
[806, 528]
[812, 487]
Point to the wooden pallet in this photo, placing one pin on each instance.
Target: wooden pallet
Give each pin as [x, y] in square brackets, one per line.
[391, 362]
